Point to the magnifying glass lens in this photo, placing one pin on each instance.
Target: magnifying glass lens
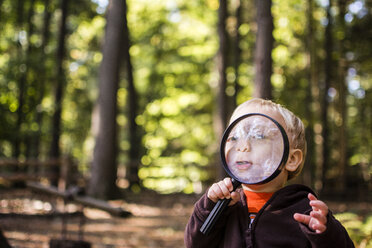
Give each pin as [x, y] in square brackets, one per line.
[253, 148]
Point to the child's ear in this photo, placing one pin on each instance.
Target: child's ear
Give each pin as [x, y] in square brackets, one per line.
[294, 160]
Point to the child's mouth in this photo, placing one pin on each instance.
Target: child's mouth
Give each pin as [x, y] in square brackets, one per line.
[243, 165]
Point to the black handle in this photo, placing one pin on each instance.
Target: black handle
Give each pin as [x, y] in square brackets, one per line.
[216, 212]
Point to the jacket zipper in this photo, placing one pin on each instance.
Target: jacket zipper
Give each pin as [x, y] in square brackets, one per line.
[252, 224]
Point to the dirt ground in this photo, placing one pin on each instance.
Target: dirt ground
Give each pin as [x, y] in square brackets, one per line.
[29, 220]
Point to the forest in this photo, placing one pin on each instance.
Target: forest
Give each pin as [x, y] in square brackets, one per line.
[137, 94]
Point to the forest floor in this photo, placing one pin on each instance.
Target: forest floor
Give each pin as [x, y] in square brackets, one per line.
[157, 220]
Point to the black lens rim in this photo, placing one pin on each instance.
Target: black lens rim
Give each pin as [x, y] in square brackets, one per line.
[285, 152]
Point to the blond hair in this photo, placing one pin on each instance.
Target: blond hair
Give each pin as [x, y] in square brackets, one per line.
[294, 127]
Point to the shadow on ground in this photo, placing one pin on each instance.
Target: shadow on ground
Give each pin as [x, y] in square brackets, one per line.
[31, 221]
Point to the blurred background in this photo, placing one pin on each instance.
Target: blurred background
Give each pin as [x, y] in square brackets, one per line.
[133, 96]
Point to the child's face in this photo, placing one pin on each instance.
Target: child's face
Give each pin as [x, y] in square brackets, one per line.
[254, 147]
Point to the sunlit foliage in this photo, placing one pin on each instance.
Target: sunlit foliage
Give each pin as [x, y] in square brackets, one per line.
[359, 228]
[173, 48]
[173, 55]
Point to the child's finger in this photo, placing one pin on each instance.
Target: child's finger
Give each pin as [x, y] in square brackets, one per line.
[318, 228]
[311, 197]
[319, 217]
[213, 192]
[318, 205]
[228, 183]
[225, 191]
[234, 198]
[302, 218]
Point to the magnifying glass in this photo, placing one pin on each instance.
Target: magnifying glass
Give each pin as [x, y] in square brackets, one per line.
[254, 149]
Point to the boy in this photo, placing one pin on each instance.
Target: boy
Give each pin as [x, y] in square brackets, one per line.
[270, 214]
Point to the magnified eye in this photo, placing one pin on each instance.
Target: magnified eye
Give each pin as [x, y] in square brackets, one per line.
[258, 136]
[232, 138]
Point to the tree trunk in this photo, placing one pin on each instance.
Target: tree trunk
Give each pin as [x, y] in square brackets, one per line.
[264, 46]
[328, 47]
[133, 130]
[104, 167]
[309, 167]
[58, 94]
[342, 67]
[237, 51]
[1, 4]
[58, 97]
[25, 62]
[21, 83]
[221, 66]
[41, 79]
[29, 65]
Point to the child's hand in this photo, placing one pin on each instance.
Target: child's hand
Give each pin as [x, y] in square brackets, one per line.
[317, 220]
[221, 190]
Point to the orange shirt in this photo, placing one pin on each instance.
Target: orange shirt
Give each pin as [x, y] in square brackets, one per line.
[255, 201]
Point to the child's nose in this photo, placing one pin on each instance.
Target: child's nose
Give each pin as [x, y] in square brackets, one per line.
[244, 147]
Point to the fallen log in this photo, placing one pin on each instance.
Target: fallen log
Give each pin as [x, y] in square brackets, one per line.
[73, 195]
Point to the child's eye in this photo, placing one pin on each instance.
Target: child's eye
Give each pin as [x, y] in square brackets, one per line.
[258, 136]
[232, 138]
